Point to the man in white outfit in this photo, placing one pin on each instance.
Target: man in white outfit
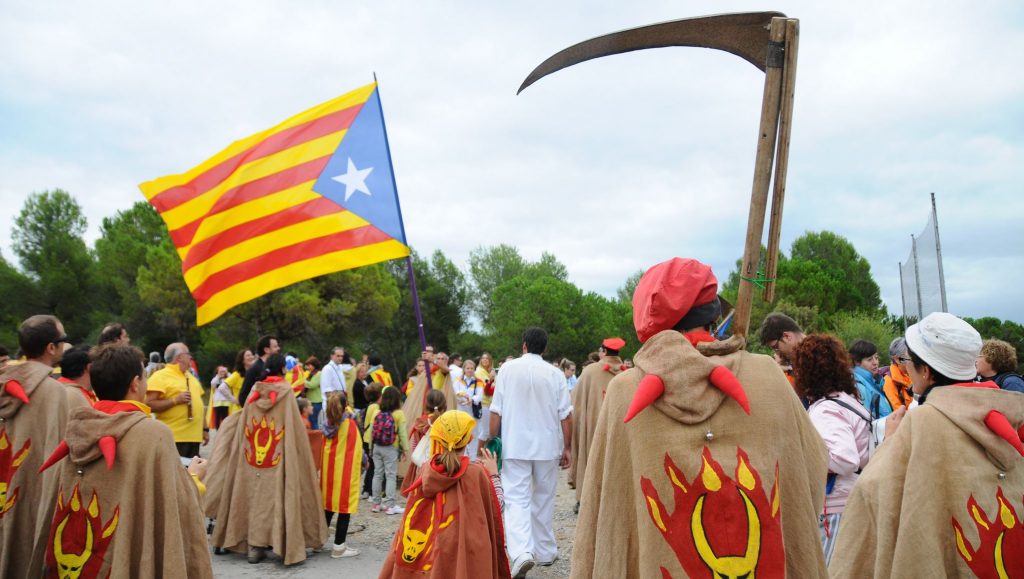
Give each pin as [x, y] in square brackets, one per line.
[532, 413]
[332, 377]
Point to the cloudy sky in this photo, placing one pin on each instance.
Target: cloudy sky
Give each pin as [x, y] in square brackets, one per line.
[612, 165]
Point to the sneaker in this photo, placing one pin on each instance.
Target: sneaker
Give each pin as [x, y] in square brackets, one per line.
[375, 508]
[394, 510]
[365, 496]
[342, 551]
[549, 563]
[521, 565]
[257, 554]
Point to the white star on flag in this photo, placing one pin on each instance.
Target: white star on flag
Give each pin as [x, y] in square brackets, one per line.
[354, 180]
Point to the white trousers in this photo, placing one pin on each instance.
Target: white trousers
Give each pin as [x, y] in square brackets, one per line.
[530, 507]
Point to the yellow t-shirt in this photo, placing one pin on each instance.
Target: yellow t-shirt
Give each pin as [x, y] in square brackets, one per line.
[170, 382]
[401, 429]
[235, 381]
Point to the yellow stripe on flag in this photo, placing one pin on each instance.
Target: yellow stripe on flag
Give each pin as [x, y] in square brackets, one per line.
[153, 188]
[295, 272]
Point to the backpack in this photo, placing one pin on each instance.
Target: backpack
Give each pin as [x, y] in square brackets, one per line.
[383, 429]
[1002, 378]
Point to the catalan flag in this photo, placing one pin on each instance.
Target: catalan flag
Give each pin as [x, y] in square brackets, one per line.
[311, 196]
[340, 469]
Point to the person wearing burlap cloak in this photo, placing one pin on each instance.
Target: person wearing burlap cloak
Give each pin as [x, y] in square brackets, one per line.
[704, 462]
[586, 405]
[33, 414]
[125, 506]
[416, 395]
[941, 497]
[452, 526]
[263, 489]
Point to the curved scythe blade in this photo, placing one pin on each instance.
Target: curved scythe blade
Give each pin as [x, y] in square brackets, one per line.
[744, 34]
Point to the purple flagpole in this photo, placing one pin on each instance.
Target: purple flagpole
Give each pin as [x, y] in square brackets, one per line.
[408, 259]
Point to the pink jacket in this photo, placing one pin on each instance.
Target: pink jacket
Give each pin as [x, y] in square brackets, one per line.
[846, 437]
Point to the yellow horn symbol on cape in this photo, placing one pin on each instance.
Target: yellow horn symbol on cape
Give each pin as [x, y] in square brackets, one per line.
[414, 541]
[729, 567]
[69, 565]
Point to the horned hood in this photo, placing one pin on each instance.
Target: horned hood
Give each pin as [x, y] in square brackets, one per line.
[87, 426]
[266, 394]
[977, 411]
[17, 383]
[436, 481]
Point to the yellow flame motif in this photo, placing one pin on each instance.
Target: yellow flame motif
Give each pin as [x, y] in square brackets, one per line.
[72, 565]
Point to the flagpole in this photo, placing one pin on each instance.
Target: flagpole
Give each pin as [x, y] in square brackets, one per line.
[401, 224]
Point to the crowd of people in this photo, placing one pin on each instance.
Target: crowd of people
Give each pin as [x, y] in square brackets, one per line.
[820, 461]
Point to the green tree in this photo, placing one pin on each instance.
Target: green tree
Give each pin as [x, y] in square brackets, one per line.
[47, 238]
[17, 304]
[489, 267]
[838, 260]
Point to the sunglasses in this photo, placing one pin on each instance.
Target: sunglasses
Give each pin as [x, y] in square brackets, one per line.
[61, 340]
[902, 359]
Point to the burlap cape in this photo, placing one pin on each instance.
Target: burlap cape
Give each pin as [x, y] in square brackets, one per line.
[28, 434]
[586, 406]
[269, 497]
[939, 494]
[451, 528]
[664, 498]
[140, 518]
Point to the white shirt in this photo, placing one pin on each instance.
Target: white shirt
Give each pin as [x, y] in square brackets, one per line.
[332, 378]
[532, 398]
[456, 373]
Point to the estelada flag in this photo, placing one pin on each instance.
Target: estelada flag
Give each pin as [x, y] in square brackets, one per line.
[311, 196]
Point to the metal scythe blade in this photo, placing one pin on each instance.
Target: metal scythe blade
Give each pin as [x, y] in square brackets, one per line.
[745, 35]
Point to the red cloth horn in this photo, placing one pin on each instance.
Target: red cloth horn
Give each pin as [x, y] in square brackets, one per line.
[998, 423]
[273, 397]
[108, 446]
[651, 388]
[723, 379]
[60, 452]
[13, 387]
[254, 396]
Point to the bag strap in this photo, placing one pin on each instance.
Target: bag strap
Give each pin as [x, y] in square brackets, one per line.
[850, 408]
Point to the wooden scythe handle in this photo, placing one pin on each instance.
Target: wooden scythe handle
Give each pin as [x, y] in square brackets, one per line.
[767, 134]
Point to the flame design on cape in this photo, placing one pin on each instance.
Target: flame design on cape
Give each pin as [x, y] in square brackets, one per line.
[415, 550]
[78, 537]
[721, 527]
[1001, 545]
[10, 461]
[263, 439]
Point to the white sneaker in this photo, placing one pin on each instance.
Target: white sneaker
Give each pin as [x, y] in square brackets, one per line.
[394, 510]
[549, 563]
[521, 565]
[342, 552]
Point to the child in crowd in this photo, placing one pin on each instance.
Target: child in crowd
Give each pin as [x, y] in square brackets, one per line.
[437, 404]
[372, 394]
[343, 453]
[389, 441]
[305, 411]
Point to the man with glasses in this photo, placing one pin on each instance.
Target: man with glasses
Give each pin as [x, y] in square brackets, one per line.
[176, 398]
[34, 411]
[782, 334]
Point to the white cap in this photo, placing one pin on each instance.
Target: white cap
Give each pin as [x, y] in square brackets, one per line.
[946, 343]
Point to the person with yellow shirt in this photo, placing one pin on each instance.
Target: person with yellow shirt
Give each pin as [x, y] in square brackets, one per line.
[176, 398]
[243, 360]
[389, 437]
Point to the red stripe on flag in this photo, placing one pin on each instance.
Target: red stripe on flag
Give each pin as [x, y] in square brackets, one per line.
[261, 187]
[308, 131]
[344, 497]
[291, 216]
[331, 457]
[308, 249]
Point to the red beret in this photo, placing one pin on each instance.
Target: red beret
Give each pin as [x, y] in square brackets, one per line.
[614, 343]
[668, 291]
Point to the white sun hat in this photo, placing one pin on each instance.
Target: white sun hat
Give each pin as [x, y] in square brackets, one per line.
[947, 344]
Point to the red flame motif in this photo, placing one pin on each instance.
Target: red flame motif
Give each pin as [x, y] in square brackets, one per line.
[10, 461]
[1002, 540]
[263, 439]
[721, 527]
[78, 537]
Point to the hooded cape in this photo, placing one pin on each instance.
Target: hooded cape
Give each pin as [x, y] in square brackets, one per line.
[692, 482]
[942, 497]
[140, 517]
[262, 485]
[586, 403]
[28, 434]
[451, 528]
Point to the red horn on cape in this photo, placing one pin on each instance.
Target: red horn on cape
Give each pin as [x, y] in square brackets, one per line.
[651, 388]
[606, 367]
[998, 423]
[13, 387]
[60, 452]
[723, 379]
[254, 396]
[273, 397]
[108, 446]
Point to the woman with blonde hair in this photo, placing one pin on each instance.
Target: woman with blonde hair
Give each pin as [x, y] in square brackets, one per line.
[452, 526]
[342, 455]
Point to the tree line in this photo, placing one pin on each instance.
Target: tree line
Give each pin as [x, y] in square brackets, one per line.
[132, 274]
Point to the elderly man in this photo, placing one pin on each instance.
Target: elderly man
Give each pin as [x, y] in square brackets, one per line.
[703, 463]
[332, 377]
[33, 416]
[532, 413]
[176, 398]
